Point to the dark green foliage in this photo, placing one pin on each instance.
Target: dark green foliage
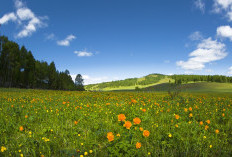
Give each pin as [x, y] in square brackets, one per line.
[18, 68]
[203, 78]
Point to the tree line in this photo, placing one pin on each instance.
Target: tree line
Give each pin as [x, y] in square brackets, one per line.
[19, 68]
[179, 79]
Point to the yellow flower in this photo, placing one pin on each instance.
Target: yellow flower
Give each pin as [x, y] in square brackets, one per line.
[90, 151]
[79, 134]
[204, 137]
[118, 135]
[3, 148]
[81, 155]
[210, 146]
[170, 135]
[82, 144]
[21, 155]
[216, 131]
[148, 153]
[86, 153]
[19, 151]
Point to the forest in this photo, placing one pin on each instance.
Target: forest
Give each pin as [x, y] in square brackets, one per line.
[19, 69]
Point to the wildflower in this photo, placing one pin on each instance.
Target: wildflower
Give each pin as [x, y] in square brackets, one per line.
[204, 137]
[133, 101]
[110, 136]
[148, 153]
[79, 134]
[169, 135]
[146, 133]
[121, 117]
[176, 125]
[141, 129]
[21, 155]
[90, 151]
[26, 116]
[210, 146]
[21, 128]
[137, 120]
[208, 121]
[216, 131]
[223, 114]
[127, 124]
[82, 144]
[75, 122]
[190, 109]
[201, 123]
[177, 116]
[81, 155]
[118, 135]
[3, 148]
[190, 115]
[86, 153]
[138, 145]
[144, 110]
[185, 110]
[206, 127]
[42, 155]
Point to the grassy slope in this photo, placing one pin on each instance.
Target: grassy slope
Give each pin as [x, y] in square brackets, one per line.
[164, 80]
[204, 87]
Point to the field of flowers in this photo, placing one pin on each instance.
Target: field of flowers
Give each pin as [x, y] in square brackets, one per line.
[63, 123]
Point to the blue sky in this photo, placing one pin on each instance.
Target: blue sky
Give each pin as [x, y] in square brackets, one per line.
[108, 40]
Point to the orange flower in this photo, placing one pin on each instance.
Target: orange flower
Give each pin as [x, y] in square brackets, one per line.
[146, 133]
[21, 128]
[144, 110]
[121, 117]
[75, 122]
[223, 114]
[185, 110]
[201, 123]
[208, 121]
[138, 145]
[110, 136]
[107, 104]
[137, 120]
[206, 127]
[216, 131]
[26, 116]
[127, 124]
[190, 109]
[190, 115]
[133, 101]
[141, 129]
[177, 116]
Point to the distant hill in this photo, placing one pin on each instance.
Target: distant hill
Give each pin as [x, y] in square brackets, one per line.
[160, 82]
[131, 83]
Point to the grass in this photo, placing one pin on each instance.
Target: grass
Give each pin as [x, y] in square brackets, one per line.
[65, 123]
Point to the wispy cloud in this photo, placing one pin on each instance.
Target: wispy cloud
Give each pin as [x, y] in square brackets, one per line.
[224, 32]
[8, 17]
[196, 36]
[83, 53]
[50, 36]
[199, 4]
[66, 41]
[207, 51]
[25, 18]
[92, 80]
[223, 6]
[230, 70]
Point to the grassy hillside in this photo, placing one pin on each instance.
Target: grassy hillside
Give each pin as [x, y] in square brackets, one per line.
[194, 87]
[131, 84]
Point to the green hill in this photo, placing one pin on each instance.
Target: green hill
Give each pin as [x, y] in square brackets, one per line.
[131, 83]
[204, 87]
[159, 82]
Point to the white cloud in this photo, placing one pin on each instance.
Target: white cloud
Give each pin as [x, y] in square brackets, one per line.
[92, 80]
[83, 53]
[207, 51]
[66, 41]
[8, 17]
[230, 70]
[196, 36]
[200, 5]
[224, 31]
[50, 36]
[223, 6]
[25, 17]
